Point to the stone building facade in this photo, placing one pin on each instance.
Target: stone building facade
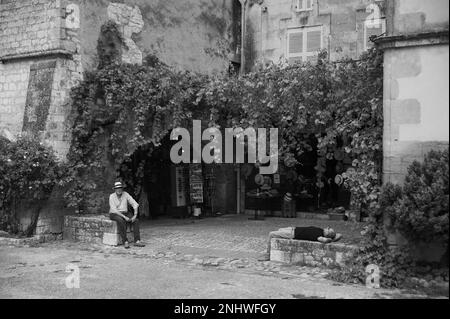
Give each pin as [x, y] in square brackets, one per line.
[39, 64]
[416, 80]
[46, 44]
[293, 30]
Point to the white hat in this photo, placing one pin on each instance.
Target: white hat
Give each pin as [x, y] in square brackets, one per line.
[118, 185]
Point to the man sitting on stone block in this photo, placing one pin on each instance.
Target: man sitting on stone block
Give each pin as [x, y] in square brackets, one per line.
[310, 233]
[118, 211]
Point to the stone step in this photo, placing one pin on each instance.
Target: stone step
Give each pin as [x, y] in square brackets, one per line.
[352, 216]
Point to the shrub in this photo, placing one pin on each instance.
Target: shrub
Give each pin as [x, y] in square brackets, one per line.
[28, 172]
[420, 212]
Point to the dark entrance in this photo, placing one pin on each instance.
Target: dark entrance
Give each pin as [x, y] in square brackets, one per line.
[166, 189]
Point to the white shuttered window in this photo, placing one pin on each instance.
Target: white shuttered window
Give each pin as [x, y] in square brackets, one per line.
[303, 44]
[303, 5]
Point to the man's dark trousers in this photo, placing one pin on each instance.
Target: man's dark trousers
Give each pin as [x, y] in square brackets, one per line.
[122, 226]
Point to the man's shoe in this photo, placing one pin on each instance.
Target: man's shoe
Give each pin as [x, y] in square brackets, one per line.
[126, 245]
[139, 244]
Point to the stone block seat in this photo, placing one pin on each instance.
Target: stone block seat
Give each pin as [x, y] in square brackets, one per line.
[97, 229]
[310, 253]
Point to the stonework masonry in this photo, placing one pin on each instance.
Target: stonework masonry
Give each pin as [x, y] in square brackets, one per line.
[310, 253]
[193, 35]
[341, 26]
[30, 27]
[46, 44]
[40, 63]
[416, 80]
[129, 20]
[93, 229]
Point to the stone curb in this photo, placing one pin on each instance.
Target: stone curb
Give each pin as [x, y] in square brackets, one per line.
[29, 242]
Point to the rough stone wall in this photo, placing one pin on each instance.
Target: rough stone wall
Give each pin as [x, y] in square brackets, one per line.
[29, 27]
[191, 35]
[310, 253]
[342, 23]
[39, 63]
[13, 93]
[34, 98]
[29, 242]
[129, 20]
[46, 44]
[92, 229]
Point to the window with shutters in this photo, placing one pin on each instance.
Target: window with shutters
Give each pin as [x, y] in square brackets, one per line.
[303, 44]
[373, 29]
[303, 5]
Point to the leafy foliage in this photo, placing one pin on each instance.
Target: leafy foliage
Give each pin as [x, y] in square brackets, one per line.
[418, 210]
[121, 108]
[28, 172]
[395, 263]
[328, 101]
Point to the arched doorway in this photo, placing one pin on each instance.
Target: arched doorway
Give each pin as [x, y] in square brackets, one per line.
[165, 189]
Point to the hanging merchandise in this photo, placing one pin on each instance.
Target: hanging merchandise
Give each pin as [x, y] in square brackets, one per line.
[338, 180]
[247, 170]
[259, 180]
[339, 154]
[196, 183]
[210, 186]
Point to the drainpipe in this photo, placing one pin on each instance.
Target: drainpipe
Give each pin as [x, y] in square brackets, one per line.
[238, 182]
[243, 33]
[263, 14]
[241, 71]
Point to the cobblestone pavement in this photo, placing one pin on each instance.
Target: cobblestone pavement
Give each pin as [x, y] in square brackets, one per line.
[226, 242]
[234, 232]
[40, 272]
[223, 245]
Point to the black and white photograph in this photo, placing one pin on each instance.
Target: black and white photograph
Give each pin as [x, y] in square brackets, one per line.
[231, 157]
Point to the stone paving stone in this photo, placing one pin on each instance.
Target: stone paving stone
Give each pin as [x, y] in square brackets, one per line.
[229, 243]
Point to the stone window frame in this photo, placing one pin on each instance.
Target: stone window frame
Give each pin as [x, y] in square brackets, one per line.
[304, 55]
[304, 5]
[366, 39]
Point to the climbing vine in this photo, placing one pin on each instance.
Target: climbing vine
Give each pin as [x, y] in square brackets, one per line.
[333, 102]
[120, 108]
